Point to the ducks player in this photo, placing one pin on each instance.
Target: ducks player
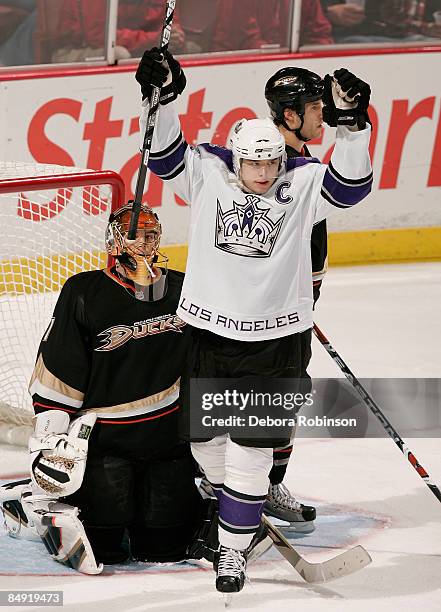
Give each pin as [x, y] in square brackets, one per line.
[294, 96]
[247, 293]
[113, 352]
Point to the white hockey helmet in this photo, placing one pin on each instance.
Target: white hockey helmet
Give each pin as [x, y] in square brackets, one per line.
[256, 139]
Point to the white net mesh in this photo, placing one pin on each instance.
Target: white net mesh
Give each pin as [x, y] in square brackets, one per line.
[47, 235]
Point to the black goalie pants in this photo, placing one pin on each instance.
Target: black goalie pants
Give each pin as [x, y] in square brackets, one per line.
[155, 503]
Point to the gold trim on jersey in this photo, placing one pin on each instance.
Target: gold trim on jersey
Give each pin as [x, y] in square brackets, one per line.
[44, 382]
[142, 406]
[320, 274]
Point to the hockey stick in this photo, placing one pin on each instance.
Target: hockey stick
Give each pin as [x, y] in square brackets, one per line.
[367, 399]
[345, 563]
[151, 120]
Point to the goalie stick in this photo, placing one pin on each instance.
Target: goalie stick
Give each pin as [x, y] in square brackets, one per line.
[375, 409]
[345, 563]
[151, 120]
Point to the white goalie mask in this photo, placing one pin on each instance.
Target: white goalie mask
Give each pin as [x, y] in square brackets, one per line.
[257, 139]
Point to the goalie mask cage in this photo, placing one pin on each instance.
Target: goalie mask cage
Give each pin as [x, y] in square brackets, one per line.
[53, 221]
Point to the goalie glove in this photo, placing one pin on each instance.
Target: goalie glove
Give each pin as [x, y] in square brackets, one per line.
[160, 69]
[63, 535]
[346, 100]
[59, 452]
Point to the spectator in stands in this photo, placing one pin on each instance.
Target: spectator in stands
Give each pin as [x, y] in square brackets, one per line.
[198, 21]
[388, 21]
[17, 25]
[138, 27]
[256, 24]
[315, 28]
[237, 27]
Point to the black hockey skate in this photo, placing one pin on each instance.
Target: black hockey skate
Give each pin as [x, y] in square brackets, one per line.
[205, 542]
[281, 504]
[230, 566]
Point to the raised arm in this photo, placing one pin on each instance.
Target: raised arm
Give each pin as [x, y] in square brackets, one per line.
[347, 179]
[171, 158]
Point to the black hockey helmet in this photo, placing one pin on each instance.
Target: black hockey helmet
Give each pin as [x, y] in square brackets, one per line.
[292, 87]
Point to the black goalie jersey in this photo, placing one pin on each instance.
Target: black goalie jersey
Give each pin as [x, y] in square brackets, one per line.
[107, 352]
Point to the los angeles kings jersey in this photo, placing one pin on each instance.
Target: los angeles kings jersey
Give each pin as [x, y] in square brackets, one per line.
[107, 352]
[249, 271]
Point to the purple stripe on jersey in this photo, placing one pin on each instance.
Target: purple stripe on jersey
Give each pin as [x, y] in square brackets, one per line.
[344, 194]
[297, 162]
[166, 165]
[217, 490]
[240, 513]
[224, 154]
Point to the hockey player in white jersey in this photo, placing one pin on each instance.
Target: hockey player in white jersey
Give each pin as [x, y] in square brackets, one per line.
[247, 294]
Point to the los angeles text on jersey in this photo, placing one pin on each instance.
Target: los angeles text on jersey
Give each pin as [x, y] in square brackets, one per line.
[224, 322]
[117, 335]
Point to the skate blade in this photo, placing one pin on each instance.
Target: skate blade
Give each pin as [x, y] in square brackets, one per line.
[228, 599]
[306, 527]
[293, 527]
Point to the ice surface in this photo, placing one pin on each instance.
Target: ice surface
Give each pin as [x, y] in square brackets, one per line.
[384, 321]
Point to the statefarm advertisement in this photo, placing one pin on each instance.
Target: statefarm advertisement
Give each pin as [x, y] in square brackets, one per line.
[91, 121]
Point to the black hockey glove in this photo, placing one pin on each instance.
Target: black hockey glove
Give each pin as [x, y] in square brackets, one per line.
[346, 100]
[159, 69]
[317, 285]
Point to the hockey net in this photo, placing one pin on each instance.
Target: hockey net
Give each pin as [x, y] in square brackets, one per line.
[53, 221]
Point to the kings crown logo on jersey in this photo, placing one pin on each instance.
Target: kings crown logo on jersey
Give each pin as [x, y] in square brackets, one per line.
[248, 229]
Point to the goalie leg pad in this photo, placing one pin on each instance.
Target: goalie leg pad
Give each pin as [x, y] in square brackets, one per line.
[65, 539]
[17, 510]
